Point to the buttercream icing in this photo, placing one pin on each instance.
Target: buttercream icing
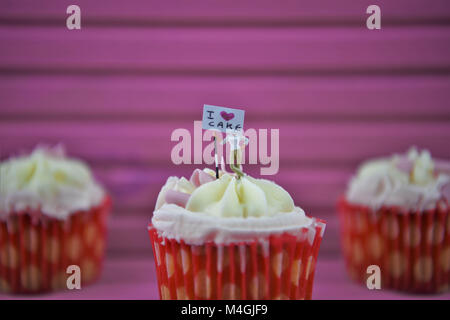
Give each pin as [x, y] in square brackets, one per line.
[225, 210]
[48, 181]
[409, 181]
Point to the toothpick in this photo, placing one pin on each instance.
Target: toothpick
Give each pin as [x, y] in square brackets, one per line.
[216, 159]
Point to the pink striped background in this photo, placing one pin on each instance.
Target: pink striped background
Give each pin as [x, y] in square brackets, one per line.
[113, 91]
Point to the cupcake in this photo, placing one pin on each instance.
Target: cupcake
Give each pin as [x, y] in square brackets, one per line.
[235, 237]
[395, 215]
[52, 215]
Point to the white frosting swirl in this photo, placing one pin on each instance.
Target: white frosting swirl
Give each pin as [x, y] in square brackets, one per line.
[226, 210]
[407, 181]
[175, 222]
[47, 181]
[244, 197]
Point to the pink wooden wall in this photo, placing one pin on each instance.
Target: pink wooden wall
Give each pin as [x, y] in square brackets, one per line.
[114, 91]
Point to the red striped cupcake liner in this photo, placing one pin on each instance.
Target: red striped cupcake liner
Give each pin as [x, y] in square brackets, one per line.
[278, 267]
[411, 248]
[35, 253]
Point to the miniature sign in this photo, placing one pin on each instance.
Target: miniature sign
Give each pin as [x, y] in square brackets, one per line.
[222, 119]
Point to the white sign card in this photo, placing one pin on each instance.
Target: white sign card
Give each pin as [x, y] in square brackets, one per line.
[222, 119]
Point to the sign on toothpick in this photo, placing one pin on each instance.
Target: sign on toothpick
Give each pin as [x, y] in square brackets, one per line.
[222, 119]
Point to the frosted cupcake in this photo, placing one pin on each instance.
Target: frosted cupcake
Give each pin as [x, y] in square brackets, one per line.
[395, 214]
[232, 238]
[52, 215]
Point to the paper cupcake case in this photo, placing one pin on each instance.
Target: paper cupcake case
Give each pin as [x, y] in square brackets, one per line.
[411, 248]
[278, 267]
[34, 255]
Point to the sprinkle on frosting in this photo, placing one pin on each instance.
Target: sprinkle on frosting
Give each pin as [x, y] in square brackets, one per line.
[178, 190]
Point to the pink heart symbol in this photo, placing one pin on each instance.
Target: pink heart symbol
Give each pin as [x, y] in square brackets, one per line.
[227, 116]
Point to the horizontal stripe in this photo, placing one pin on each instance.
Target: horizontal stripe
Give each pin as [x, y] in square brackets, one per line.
[300, 142]
[244, 10]
[148, 99]
[255, 51]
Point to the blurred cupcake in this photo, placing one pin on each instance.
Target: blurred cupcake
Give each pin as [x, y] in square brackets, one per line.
[395, 215]
[52, 215]
[235, 237]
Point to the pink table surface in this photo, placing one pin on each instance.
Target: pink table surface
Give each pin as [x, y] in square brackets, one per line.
[135, 278]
